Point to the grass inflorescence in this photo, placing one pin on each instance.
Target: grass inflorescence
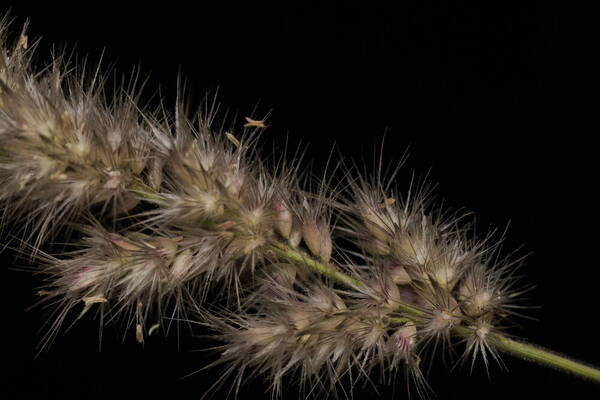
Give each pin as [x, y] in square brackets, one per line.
[173, 217]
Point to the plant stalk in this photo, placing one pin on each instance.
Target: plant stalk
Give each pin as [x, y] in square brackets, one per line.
[534, 353]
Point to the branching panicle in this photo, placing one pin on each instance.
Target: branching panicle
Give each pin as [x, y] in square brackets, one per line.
[319, 282]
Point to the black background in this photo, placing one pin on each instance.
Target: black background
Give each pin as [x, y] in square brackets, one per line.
[491, 100]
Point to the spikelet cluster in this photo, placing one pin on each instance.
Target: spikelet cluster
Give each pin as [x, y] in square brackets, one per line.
[132, 277]
[305, 330]
[214, 190]
[211, 192]
[434, 265]
[293, 302]
[65, 148]
[417, 277]
[68, 153]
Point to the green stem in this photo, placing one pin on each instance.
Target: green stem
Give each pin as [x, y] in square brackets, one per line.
[529, 352]
[295, 256]
[400, 320]
[139, 187]
[534, 353]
